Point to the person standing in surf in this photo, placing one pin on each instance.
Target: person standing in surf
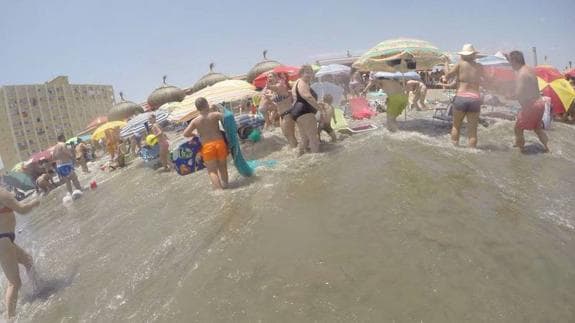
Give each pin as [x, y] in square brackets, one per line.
[214, 148]
[532, 105]
[11, 255]
[304, 109]
[162, 141]
[397, 99]
[467, 101]
[81, 155]
[65, 164]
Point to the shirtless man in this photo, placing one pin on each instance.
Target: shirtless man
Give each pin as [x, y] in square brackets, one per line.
[81, 151]
[65, 164]
[467, 102]
[532, 105]
[397, 99]
[11, 255]
[214, 148]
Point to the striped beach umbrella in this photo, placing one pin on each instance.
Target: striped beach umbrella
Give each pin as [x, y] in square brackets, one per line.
[389, 55]
[137, 125]
[554, 85]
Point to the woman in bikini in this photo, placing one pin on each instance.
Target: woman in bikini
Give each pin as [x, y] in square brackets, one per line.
[162, 140]
[278, 95]
[304, 110]
[467, 102]
[11, 254]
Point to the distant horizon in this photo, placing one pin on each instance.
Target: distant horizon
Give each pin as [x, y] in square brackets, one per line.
[130, 46]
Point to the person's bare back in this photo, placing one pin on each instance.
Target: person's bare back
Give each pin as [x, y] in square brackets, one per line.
[469, 76]
[62, 154]
[527, 86]
[207, 125]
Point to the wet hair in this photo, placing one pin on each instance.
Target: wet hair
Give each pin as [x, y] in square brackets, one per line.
[304, 68]
[202, 103]
[61, 137]
[328, 99]
[517, 57]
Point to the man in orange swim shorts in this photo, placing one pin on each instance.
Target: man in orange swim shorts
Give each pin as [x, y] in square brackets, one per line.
[214, 148]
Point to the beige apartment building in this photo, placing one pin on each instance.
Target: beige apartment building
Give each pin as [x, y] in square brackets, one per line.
[32, 116]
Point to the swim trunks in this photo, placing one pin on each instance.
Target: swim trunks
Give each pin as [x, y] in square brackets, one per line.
[396, 103]
[214, 150]
[9, 235]
[530, 116]
[467, 104]
[65, 170]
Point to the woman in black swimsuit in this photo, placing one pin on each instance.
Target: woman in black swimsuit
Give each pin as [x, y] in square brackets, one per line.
[10, 254]
[304, 110]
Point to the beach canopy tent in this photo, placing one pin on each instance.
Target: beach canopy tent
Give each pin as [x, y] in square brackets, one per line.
[333, 70]
[292, 72]
[554, 85]
[224, 91]
[401, 55]
[137, 125]
[100, 133]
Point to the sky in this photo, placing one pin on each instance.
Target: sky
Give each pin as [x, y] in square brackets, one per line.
[131, 44]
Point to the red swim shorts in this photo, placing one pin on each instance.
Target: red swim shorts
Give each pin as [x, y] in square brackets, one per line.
[529, 118]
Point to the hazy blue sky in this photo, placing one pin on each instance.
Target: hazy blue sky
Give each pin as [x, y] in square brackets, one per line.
[132, 43]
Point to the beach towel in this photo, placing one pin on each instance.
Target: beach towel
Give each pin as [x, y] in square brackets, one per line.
[360, 109]
[339, 122]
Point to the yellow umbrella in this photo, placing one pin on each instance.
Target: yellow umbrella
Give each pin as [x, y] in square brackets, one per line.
[101, 131]
[224, 91]
[554, 85]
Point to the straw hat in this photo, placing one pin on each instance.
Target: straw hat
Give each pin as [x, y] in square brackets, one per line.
[467, 50]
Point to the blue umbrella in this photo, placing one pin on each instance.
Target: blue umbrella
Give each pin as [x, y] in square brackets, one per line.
[137, 125]
[333, 69]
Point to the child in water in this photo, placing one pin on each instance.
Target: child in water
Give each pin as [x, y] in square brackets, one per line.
[326, 115]
[214, 148]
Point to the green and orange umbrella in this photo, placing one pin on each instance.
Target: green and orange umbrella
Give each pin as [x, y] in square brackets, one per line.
[554, 85]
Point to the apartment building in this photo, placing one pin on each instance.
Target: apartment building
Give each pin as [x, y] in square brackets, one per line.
[32, 116]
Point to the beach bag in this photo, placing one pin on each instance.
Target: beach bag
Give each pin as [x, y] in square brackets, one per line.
[547, 113]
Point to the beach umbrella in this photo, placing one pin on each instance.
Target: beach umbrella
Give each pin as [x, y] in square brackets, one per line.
[398, 76]
[554, 85]
[97, 122]
[323, 88]
[570, 73]
[262, 67]
[291, 71]
[389, 55]
[101, 131]
[333, 69]
[44, 154]
[497, 67]
[124, 109]
[164, 94]
[208, 80]
[74, 140]
[224, 91]
[19, 180]
[137, 125]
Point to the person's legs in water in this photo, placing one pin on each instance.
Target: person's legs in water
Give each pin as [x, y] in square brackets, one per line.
[392, 123]
[28, 262]
[9, 262]
[396, 103]
[519, 138]
[74, 179]
[472, 122]
[543, 138]
[307, 125]
[288, 129]
[458, 117]
[223, 172]
[213, 168]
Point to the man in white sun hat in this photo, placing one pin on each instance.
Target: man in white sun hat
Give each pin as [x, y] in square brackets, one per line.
[468, 75]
